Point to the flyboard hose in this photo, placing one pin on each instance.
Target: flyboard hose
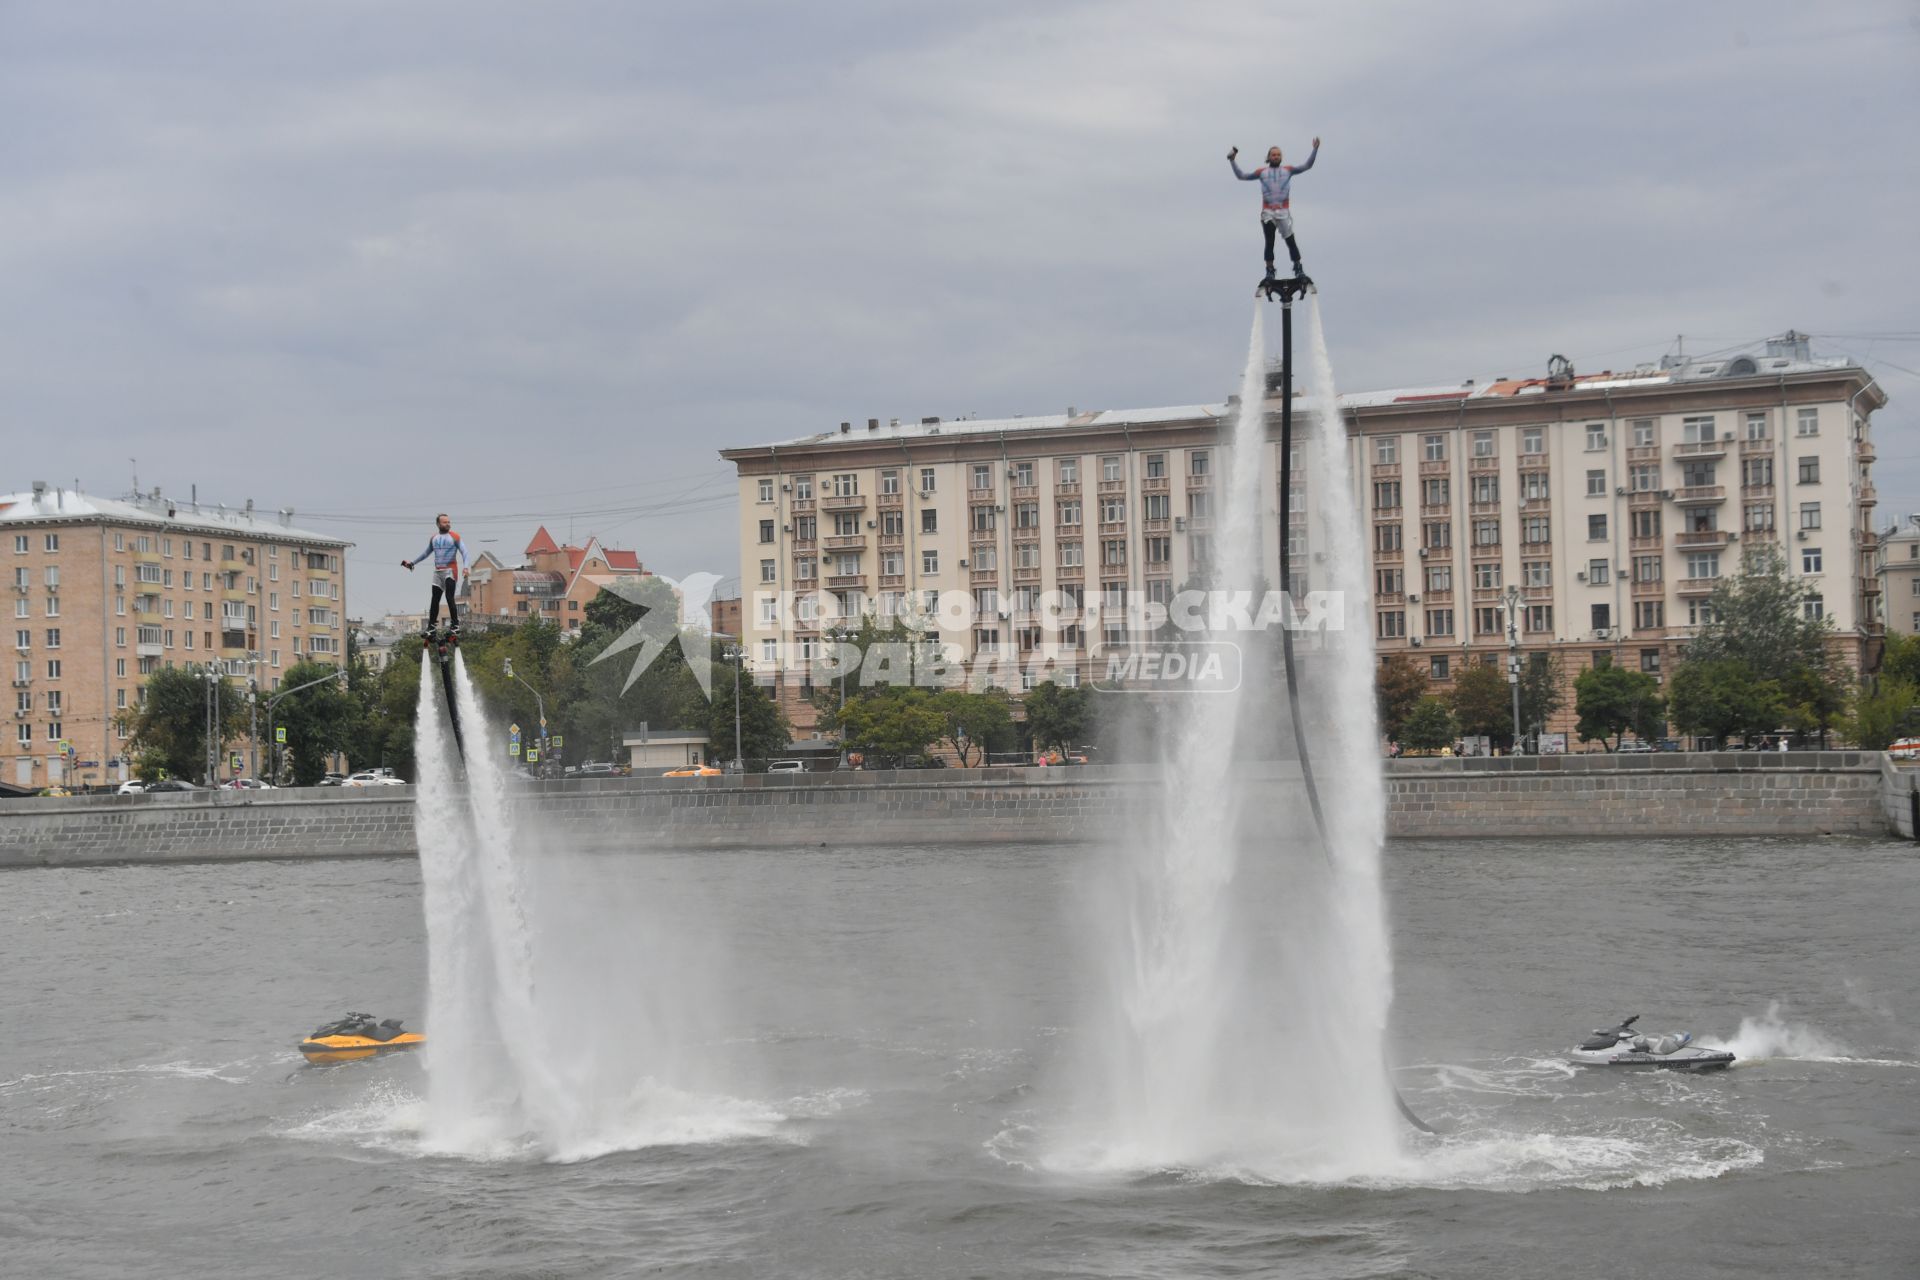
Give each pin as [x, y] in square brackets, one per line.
[1286, 629]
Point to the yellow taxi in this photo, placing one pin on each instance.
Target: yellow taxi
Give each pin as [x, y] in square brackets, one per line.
[693, 771]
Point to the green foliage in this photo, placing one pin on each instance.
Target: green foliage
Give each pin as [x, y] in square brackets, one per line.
[1398, 685]
[1543, 690]
[1900, 660]
[891, 727]
[170, 725]
[319, 721]
[1483, 701]
[1611, 700]
[1721, 699]
[1880, 712]
[975, 724]
[764, 731]
[1058, 716]
[1429, 726]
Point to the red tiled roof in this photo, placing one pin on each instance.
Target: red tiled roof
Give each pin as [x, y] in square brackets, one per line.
[574, 556]
[623, 560]
[542, 544]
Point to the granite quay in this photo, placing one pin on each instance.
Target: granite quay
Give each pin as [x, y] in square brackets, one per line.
[1802, 793]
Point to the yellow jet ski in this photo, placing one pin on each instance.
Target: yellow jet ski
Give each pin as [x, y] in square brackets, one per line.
[358, 1035]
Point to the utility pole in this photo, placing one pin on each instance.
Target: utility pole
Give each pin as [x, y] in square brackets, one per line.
[1513, 658]
[541, 705]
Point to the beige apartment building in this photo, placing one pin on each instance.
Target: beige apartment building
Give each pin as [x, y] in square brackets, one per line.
[1898, 570]
[106, 591]
[1601, 509]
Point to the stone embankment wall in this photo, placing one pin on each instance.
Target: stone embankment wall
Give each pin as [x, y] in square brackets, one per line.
[1796, 793]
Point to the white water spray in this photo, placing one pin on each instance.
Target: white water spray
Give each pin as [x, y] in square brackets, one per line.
[1248, 968]
[569, 1008]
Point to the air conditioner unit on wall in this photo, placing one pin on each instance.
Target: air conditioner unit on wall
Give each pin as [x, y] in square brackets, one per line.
[1413, 598]
[1423, 553]
[1415, 642]
[1580, 576]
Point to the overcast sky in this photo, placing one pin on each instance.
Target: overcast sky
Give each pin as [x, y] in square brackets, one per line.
[537, 262]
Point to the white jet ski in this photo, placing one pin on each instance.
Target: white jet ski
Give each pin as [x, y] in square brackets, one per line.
[1621, 1046]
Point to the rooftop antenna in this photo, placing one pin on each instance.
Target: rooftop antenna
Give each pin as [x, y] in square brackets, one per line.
[135, 464]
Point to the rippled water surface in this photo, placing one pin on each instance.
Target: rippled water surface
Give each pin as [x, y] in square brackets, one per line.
[888, 1032]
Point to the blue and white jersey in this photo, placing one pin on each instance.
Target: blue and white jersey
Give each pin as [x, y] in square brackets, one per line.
[1276, 181]
[444, 548]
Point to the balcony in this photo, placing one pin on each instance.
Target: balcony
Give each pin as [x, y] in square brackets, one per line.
[889, 501]
[148, 650]
[1696, 588]
[1484, 508]
[1643, 544]
[1436, 467]
[1199, 483]
[1112, 486]
[846, 541]
[1071, 573]
[843, 502]
[1485, 551]
[1483, 464]
[1390, 597]
[1536, 506]
[893, 539]
[1754, 491]
[1702, 539]
[1699, 450]
[892, 581]
[1643, 453]
[1113, 528]
[1695, 495]
[1156, 526]
[1394, 556]
[1029, 574]
[1488, 595]
[1067, 489]
[1869, 496]
[1385, 471]
[1768, 534]
[1025, 492]
[1756, 448]
[1643, 500]
[1656, 587]
[848, 582]
[1153, 484]
[1863, 451]
[983, 577]
[1536, 595]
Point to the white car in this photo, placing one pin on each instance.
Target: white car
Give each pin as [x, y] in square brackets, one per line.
[132, 787]
[372, 778]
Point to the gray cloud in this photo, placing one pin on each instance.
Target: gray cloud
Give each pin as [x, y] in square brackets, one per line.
[374, 261]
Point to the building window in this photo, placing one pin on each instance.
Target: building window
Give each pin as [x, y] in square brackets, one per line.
[1644, 435]
[1597, 528]
[1433, 448]
[1113, 551]
[1810, 560]
[1533, 440]
[1066, 470]
[1069, 513]
[1596, 484]
[983, 519]
[766, 531]
[1534, 487]
[803, 488]
[1646, 524]
[766, 491]
[1440, 578]
[929, 520]
[893, 524]
[1388, 582]
[1536, 531]
[1703, 564]
[1487, 621]
[846, 485]
[1386, 450]
[1200, 463]
[1697, 429]
[1436, 536]
[890, 482]
[1486, 576]
[1601, 616]
[1157, 506]
[1806, 423]
[1649, 615]
[1757, 516]
[1757, 472]
[1486, 533]
[1435, 493]
[1646, 568]
[19, 544]
[929, 562]
[1810, 470]
[805, 568]
[1386, 537]
[926, 482]
[1072, 555]
[1437, 666]
[53, 668]
[1756, 426]
[1540, 619]
[1596, 437]
[1112, 468]
[53, 542]
[1439, 622]
[1597, 573]
[1392, 624]
[1538, 573]
[1386, 495]
[767, 572]
[1809, 515]
[1814, 607]
[53, 637]
[1156, 466]
[1483, 446]
[1486, 488]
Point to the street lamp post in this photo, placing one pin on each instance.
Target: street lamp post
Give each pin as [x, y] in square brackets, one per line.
[1513, 658]
[540, 704]
[734, 653]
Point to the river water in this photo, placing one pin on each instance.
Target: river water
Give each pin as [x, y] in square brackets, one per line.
[886, 1035]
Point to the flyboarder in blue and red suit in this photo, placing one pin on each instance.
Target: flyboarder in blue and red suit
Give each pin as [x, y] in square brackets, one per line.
[449, 556]
[1276, 189]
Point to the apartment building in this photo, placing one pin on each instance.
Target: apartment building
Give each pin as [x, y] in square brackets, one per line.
[1601, 510]
[1898, 571]
[106, 591]
[551, 581]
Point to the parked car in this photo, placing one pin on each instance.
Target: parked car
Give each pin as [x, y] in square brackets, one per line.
[248, 784]
[1669, 744]
[1635, 748]
[787, 766]
[693, 771]
[373, 778]
[132, 787]
[333, 780]
[173, 784]
[1905, 749]
[602, 769]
